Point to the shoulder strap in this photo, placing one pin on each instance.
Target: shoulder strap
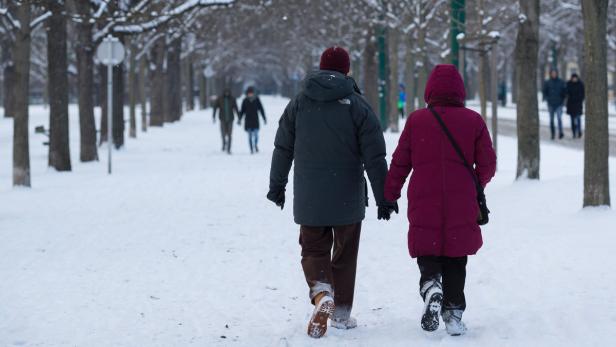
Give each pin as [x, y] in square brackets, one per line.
[457, 148]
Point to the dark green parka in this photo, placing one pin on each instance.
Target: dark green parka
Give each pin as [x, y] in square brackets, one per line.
[333, 135]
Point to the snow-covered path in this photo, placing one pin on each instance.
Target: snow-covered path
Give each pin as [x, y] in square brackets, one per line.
[180, 247]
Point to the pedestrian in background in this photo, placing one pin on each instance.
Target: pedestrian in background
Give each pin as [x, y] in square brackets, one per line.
[401, 101]
[554, 93]
[251, 107]
[226, 106]
[575, 104]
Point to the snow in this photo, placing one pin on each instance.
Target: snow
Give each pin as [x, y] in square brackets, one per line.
[180, 247]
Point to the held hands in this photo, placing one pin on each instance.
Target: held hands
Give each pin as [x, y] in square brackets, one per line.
[277, 197]
[385, 210]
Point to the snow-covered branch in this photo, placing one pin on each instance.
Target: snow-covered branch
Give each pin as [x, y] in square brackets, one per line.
[40, 20]
[169, 15]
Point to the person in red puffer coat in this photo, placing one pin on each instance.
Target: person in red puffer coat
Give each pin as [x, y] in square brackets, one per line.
[443, 206]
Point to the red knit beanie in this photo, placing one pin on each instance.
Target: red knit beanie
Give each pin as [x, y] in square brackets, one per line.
[335, 59]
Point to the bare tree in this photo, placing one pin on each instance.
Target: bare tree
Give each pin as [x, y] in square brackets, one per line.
[596, 140]
[59, 151]
[526, 55]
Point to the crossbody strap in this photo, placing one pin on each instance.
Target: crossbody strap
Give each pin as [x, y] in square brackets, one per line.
[458, 150]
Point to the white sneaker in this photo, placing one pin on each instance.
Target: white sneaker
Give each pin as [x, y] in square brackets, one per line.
[349, 323]
[453, 322]
[433, 299]
[317, 326]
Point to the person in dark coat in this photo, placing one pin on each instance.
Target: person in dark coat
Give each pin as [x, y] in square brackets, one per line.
[251, 107]
[227, 107]
[332, 136]
[575, 104]
[554, 93]
[442, 195]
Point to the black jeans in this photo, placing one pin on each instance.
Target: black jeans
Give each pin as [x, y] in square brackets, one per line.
[452, 271]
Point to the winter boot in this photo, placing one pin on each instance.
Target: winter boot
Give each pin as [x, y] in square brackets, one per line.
[323, 308]
[432, 292]
[341, 319]
[453, 322]
[345, 324]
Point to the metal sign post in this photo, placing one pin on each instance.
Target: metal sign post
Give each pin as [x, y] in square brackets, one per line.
[110, 52]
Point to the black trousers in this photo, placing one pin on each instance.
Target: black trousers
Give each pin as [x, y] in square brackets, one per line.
[452, 272]
[329, 272]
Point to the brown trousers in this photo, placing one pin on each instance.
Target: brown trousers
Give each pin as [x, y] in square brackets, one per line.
[331, 273]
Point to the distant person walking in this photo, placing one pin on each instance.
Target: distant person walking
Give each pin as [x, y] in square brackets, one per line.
[442, 194]
[227, 109]
[575, 104]
[554, 93]
[251, 107]
[332, 135]
[401, 101]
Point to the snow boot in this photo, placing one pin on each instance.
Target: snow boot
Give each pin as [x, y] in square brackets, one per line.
[453, 322]
[432, 292]
[323, 308]
[341, 319]
[344, 324]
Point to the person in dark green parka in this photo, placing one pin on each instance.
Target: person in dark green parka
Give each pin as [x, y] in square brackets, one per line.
[332, 136]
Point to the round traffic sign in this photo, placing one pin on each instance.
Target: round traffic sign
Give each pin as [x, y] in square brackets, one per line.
[110, 51]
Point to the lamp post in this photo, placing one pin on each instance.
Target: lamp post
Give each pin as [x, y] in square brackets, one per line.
[110, 52]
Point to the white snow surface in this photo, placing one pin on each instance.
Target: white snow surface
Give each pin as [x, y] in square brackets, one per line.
[180, 247]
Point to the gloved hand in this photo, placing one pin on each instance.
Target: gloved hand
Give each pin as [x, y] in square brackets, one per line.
[277, 197]
[386, 208]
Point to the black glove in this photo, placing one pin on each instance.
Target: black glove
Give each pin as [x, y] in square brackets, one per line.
[386, 208]
[276, 197]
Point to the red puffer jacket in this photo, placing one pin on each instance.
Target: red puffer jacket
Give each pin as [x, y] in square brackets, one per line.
[442, 197]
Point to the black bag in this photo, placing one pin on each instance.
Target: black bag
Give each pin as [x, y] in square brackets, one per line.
[484, 212]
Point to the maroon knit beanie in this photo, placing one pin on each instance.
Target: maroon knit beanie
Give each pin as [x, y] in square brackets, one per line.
[335, 59]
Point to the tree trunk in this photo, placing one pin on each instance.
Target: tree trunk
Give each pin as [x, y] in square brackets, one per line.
[102, 71]
[85, 79]
[596, 139]
[190, 83]
[8, 84]
[57, 72]
[393, 80]
[132, 90]
[157, 111]
[118, 104]
[8, 89]
[143, 75]
[526, 57]
[21, 56]
[174, 81]
[409, 78]
[514, 84]
[371, 83]
[202, 91]
[483, 85]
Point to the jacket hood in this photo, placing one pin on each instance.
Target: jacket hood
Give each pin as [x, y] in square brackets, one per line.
[445, 87]
[326, 85]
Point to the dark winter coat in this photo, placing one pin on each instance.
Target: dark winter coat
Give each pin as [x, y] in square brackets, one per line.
[575, 98]
[332, 135]
[442, 198]
[227, 108]
[554, 92]
[251, 108]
